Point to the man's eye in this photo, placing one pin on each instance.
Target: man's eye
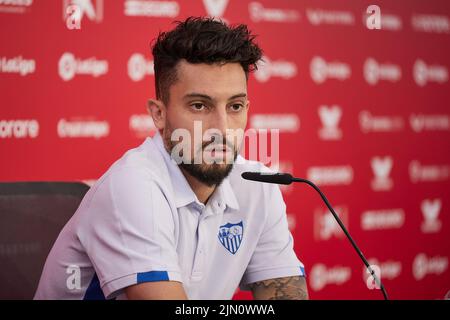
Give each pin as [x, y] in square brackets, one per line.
[236, 107]
[198, 106]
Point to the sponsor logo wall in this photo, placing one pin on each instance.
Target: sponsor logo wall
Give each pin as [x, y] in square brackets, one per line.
[364, 113]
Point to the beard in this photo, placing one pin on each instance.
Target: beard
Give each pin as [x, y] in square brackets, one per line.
[208, 174]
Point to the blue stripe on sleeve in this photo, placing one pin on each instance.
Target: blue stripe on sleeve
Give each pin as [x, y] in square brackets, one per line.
[152, 276]
[303, 273]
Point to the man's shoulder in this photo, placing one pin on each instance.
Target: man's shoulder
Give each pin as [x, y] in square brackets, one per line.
[145, 159]
[141, 165]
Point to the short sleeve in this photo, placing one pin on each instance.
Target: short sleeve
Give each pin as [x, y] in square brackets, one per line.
[274, 256]
[127, 231]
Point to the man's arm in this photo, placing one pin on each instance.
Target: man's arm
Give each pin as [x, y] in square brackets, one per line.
[158, 290]
[287, 288]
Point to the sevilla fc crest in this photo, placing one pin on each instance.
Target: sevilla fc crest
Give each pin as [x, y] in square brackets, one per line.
[230, 236]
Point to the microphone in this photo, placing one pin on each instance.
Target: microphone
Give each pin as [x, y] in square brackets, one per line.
[286, 178]
[278, 178]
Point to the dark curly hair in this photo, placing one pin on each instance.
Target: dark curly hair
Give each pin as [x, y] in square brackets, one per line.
[201, 40]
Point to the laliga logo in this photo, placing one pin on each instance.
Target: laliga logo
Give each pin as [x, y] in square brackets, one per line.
[423, 265]
[279, 68]
[139, 67]
[430, 211]
[431, 73]
[330, 117]
[374, 72]
[322, 276]
[69, 66]
[17, 65]
[381, 168]
[320, 70]
[389, 269]
[215, 8]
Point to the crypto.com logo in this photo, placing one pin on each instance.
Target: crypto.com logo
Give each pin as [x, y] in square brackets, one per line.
[220, 149]
[75, 10]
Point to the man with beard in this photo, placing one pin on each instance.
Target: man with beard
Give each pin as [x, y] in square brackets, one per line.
[173, 219]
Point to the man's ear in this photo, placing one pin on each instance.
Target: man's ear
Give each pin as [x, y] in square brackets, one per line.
[157, 110]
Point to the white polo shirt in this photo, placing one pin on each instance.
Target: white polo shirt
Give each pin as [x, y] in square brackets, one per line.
[142, 222]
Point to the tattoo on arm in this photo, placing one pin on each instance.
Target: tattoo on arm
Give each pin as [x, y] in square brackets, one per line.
[287, 288]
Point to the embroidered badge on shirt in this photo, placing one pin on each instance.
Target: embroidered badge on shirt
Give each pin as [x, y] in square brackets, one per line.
[230, 236]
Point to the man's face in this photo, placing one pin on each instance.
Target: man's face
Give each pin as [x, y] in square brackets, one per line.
[214, 96]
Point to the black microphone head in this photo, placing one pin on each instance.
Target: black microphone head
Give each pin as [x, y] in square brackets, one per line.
[278, 178]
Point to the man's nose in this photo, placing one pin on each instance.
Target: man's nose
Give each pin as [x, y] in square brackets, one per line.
[220, 121]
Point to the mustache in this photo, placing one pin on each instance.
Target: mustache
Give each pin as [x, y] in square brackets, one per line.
[215, 142]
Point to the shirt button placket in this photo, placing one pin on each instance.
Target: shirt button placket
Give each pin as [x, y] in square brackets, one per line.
[197, 271]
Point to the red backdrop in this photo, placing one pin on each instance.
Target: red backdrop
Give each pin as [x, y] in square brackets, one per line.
[362, 112]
